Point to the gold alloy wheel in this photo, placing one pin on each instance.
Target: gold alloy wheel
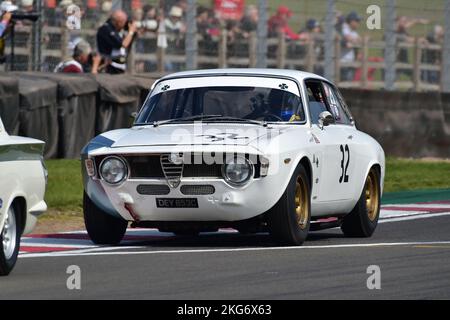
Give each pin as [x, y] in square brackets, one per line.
[301, 202]
[372, 195]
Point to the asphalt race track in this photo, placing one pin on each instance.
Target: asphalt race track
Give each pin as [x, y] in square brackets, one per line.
[411, 247]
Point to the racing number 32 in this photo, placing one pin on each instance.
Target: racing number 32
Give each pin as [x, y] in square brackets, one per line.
[344, 175]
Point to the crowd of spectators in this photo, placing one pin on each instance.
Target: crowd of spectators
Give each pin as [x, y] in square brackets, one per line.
[230, 18]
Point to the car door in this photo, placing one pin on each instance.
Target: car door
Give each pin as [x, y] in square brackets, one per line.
[336, 150]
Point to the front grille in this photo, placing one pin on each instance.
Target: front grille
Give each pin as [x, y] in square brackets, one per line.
[202, 170]
[157, 166]
[153, 189]
[197, 190]
[145, 166]
[171, 171]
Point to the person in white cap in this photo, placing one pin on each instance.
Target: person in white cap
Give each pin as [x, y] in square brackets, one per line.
[175, 27]
[174, 30]
[27, 5]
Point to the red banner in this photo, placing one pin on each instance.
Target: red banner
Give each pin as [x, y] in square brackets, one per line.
[229, 9]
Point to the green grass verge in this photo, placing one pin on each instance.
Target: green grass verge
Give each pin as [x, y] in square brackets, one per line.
[64, 191]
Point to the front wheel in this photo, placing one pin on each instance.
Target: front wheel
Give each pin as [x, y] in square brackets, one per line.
[9, 241]
[101, 226]
[289, 219]
[363, 219]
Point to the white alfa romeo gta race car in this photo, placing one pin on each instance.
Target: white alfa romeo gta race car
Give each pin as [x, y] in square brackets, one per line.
[23, 179]
[252, 149]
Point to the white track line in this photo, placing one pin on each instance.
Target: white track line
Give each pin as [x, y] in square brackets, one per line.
[338, 246]
[413, 217]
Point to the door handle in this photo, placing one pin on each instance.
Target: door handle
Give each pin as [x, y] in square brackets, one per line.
[350, 137]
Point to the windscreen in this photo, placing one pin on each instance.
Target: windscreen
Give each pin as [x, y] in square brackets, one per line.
[252, 103]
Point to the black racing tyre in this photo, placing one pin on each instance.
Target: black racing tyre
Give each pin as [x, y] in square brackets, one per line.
[10, 240]
[363, 219]
[102, 227]
[289, 219]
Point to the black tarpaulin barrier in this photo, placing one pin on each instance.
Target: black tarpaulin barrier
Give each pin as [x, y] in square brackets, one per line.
[144, 83]
[9, 103]
[38, 116]
[76, 101]
[406, 124]
[118, 97]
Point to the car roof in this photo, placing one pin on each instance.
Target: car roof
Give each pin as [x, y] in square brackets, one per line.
[296, 74]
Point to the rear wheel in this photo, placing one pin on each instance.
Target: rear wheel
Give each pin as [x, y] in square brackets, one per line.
[363, 219]
[101, 226]
[289, 219]
[10, 241]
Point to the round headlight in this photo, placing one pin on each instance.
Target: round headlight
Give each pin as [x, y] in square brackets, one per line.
[113, 170]
[237, 171]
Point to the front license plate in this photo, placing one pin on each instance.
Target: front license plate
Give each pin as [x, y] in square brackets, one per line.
[176, 203]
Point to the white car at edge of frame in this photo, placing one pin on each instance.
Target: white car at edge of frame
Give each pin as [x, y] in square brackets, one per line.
[258, 150]
[23, 177]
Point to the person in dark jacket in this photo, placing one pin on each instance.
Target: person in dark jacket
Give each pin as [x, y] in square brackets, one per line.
[114, 39]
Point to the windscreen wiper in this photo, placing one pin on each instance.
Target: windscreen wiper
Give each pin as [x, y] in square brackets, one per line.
[182, 119]
[235, 119]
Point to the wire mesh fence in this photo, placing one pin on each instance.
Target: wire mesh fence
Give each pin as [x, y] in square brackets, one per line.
[229, 34]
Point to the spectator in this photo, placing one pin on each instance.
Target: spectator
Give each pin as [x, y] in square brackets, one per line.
[403, 25]
[175, 31]
[82, 60]
[169, 4]
[432, 56]
[112, 42]
[279, 24]
[249, 22]
[203, 22]
[312, 33]
[312, 29]
[105, 10]
[350, 40]
[175, 27]
[151, 14]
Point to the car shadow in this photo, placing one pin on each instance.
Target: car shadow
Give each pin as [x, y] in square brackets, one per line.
[233, 240]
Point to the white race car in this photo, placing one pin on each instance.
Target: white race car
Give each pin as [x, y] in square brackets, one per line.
[251, 149]
[23, 179]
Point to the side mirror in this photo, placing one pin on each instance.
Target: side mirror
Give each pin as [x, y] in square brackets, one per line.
[133, 115]
[325, 119]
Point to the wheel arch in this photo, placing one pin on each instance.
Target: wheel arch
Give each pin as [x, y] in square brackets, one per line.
[21, 204]
[308, 167]
[371, 165]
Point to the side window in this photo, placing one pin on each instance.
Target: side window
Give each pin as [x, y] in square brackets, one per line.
[316, 100]
[335, 104]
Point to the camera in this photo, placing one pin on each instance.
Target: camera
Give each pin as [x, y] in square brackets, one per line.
[149, 24]
[7, 6]
[31, 16]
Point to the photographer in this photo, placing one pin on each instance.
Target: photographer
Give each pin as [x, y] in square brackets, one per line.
[112, 42]
[83, 60]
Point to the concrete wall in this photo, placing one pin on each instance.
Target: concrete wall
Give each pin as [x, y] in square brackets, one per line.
[407, 124]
